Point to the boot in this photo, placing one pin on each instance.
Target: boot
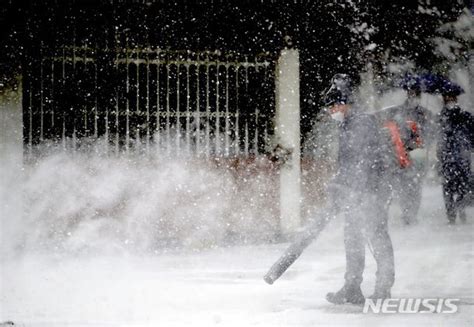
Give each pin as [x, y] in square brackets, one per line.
[451, 213]
[347, 294]
[462, 216]
[451, 219]
[380, 294]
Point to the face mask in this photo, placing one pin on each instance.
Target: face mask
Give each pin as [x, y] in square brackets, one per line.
[451, 104]
[338, 116]
[414, 101]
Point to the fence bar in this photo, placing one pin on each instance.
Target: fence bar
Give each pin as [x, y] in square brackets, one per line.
[52, 93]
[168, 113]
[255, 141]
[127, 104]
[178, 114]
[198, 114]
[246, 140]
[30, 112]
[237, 113]
[63, 72]
[85, 108]
[157, 132]
[208, 116]
[227, 127]
[41, 102]
[96, 103]
[218, 118]
[117, 107]
[147, 105]
[137, 105]
[188, 132]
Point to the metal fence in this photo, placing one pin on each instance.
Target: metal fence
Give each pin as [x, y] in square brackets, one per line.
[209, 103]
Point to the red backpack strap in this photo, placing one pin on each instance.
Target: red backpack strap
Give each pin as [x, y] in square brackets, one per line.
[414, 128]
[396, 137]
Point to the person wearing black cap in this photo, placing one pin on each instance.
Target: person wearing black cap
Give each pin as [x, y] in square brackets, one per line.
[455, 145]
[359, 193]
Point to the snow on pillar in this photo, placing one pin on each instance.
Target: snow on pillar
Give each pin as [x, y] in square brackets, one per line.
[11, 162]
[368, 92]
[287, 136]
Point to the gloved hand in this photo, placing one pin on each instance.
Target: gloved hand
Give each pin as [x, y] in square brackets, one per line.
[338, 196]
[418, 157]
[438, 168]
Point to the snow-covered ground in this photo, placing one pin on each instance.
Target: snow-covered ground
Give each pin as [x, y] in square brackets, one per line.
[224, 286]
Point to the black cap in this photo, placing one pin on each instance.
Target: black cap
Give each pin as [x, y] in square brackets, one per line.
[451, 89]
[437, 84]
[411, 82]
[340, 90]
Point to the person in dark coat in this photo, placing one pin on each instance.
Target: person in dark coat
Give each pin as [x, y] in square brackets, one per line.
[358, 191]
[416, 125]
[454, 150]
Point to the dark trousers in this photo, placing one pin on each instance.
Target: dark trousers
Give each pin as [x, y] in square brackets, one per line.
[410, 200]
[407, 188]
[368, 222]
[455, 192]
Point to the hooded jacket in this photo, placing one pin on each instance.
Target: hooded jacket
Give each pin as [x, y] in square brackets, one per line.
[455, 142]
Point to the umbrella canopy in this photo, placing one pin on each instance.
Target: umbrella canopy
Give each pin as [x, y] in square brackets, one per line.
[437, 84]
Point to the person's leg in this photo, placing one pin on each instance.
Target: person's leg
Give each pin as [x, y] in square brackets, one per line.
[462, 215]
[382, 249]
[410, 200]
[448, 194]
[462, 195]
[354, 243]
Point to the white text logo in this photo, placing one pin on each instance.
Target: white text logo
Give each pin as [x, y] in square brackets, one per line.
[411, 305]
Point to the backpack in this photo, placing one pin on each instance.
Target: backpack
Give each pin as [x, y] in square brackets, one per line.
[401, 136]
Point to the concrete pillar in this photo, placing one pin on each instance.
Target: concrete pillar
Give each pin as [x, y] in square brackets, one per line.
[368, 93]
[287, 137]
[11, 163]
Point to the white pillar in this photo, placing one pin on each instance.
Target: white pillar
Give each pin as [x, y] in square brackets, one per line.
[367, 90]
[287, 135]
[11, 163]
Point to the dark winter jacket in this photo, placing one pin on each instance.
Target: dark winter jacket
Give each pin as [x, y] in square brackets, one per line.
[361, 155]
[455, 143]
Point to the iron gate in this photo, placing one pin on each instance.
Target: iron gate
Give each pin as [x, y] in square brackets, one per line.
[208, 103]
